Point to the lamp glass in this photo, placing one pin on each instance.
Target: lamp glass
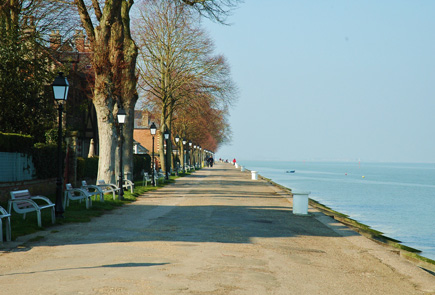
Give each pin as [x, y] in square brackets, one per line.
[153, 129]
[121, 116]
[60, 87]
[166, 134]
[177, 139]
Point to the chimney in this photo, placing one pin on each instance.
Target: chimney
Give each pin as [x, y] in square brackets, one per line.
[55, 40]
[145, 119]
[80, 41]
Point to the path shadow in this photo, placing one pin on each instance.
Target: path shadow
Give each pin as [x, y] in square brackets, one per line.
[119, 265]
[217, 224]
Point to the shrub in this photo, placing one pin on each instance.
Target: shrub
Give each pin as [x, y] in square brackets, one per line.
[87, 168]
[16, 143]
[141, 162]
[45, 160]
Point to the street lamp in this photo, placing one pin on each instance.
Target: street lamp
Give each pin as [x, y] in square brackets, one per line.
[184, 155]
[153, 130]
[121, 120]
[60, 90]
[166, 134]
[195, 157]
[200, 157]
[177, 139]
[190, 154]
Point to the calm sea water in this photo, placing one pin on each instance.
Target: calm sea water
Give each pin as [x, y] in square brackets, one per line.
[396, 199]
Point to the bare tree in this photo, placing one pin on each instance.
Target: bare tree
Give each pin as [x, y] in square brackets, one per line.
[107, 24]
[176, 61]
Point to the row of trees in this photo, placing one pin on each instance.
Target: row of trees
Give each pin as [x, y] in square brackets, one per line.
[186, 83]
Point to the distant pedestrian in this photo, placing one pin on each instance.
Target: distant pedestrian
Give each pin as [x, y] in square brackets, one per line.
[234, 161]
[210, 161]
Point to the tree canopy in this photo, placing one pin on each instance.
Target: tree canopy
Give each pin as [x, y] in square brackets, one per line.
[26, 68]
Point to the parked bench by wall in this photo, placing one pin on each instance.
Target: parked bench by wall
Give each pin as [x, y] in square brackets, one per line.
[22, 202]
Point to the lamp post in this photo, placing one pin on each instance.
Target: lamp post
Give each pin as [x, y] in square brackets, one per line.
[190, 155]
[200, 157]
[121, 120]
[60, 90]
[153, 130]
[177, 139]
[195, 158]
[184, 155]
[166, 134]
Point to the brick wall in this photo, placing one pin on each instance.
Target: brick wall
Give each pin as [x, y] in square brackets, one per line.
[143, 136]
[43, 187]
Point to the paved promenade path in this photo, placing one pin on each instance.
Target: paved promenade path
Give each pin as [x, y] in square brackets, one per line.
[215, 232]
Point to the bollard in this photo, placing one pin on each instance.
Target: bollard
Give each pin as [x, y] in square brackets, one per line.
[242, 168]
[237, 165]
[254, 175]
[300, 203]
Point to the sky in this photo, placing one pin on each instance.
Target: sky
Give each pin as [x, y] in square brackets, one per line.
[331, 80]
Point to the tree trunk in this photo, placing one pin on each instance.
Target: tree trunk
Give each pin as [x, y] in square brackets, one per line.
[108, 138]
[162, 140]
[114, 61]
[129, 91]
[181, 154]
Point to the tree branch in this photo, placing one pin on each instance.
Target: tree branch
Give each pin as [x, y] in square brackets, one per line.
[86, 20]
[97, 9]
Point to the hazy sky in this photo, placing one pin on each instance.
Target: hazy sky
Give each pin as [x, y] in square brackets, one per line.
[331, 80]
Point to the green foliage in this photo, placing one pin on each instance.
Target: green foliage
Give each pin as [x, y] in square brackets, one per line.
[45, 160]
[141, 162]
[27, 102]
[51, 135]
[87, 168]
[16, 143]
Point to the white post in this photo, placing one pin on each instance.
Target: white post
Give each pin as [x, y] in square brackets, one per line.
[300, 203]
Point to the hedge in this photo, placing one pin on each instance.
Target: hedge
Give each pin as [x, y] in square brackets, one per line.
[141, 163]
[87, 168]
[16, 143]
[45, 160]
[45, 157]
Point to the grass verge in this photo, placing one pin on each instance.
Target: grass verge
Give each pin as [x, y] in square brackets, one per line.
[76, 212]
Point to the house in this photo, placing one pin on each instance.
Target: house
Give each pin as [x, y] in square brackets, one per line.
[80, 111]
[142, 134]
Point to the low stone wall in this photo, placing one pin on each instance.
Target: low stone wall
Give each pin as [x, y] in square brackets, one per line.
[36, 187]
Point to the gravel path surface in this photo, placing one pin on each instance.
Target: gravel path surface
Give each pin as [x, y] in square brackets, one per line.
[215, 232]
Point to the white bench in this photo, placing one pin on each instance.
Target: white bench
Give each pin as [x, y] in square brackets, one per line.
[146, 178]
[108, 187]
[93, 190]
[7, 216]
[158, 177]
[22, 202]
[75, 194]
[128, 184]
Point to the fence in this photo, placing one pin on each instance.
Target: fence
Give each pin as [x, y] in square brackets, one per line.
[16, 167]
